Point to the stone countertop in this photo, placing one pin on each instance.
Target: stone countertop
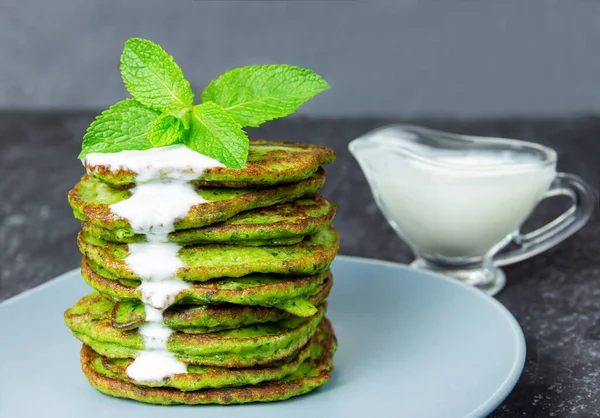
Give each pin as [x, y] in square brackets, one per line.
[555, 296]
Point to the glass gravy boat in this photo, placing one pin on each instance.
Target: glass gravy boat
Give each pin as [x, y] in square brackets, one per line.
[458, 200]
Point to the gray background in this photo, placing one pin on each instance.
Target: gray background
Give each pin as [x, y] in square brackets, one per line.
[457, 58]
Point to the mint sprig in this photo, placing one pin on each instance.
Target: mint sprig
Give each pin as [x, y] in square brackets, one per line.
[256, 94]
[162, 110]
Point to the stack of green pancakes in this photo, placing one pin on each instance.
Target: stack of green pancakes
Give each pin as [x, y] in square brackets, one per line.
[224, 304]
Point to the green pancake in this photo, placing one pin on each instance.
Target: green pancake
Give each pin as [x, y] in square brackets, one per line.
[90, 200]
[204, 377]
[241, 347]
[207, 318]
[269, 163]
[290, 294]
[313, 372]
[204, 262]
[283, 224]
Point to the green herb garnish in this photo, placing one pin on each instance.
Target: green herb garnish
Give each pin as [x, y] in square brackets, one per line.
[162, 111]
[123, 126]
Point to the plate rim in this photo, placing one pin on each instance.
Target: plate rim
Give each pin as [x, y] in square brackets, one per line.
[484, 409]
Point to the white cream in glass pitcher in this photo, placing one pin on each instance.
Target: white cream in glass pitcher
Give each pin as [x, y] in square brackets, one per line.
[458, 200]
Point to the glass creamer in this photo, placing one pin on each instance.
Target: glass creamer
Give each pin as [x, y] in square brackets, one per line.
[458, 200]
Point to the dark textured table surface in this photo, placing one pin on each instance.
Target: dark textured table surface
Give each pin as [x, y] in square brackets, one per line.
[555, 296]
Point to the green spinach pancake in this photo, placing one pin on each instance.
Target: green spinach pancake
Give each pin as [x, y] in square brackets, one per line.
[282, 224]
[309, 369]
[203, 377]
[269, 163]
[246, 346]
[290, 294]
[200, 319]
[90, 200]
[204, 262]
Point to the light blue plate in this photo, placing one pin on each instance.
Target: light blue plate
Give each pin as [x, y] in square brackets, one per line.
[412, 344]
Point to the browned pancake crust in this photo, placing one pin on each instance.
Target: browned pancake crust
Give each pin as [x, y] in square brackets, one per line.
[315, 257]
[295, 221]
[266, 392]
[231, 310]
[258, 172]
[202, 214]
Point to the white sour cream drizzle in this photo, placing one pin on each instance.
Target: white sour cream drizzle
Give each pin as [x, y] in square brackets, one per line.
[161, 196]
[154, 206]
[175, 162]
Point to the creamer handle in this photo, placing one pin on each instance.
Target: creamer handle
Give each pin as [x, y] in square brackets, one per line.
[559, 229]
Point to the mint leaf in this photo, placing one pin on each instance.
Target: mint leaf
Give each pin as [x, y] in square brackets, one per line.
[216, 134]
[183, 115]
[121, 127]
[154, 79]
[255, 94]
[165, 130]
